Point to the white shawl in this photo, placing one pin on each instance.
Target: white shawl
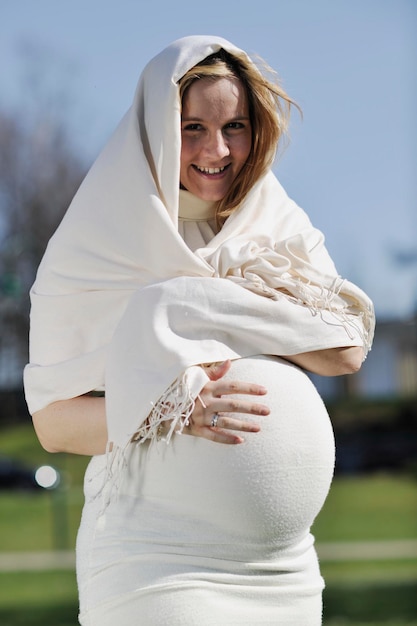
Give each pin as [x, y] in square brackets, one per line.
[120, 302]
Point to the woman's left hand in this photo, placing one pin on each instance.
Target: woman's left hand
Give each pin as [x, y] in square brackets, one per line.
[213, 416]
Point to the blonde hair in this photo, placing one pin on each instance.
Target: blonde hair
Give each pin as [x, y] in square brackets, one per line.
[269, 111]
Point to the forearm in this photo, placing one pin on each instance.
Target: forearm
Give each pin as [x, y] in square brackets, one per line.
[77, 426]
[330, 362]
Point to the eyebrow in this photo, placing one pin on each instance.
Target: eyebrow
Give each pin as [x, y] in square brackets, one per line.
[199, 119]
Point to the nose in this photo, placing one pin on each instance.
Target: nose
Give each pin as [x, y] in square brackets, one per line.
[218, 146]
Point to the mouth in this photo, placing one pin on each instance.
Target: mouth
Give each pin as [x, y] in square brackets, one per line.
[211, 171]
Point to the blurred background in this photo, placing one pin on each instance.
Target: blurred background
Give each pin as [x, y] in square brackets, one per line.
[68, 74]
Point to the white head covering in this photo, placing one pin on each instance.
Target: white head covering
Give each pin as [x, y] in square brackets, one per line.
[110, 274]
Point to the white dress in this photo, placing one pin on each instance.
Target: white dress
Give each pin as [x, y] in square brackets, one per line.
[203, 534]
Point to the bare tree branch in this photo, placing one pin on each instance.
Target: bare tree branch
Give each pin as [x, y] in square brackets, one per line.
[39, 174]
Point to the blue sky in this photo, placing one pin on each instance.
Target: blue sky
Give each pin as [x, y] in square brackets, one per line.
[350, 64]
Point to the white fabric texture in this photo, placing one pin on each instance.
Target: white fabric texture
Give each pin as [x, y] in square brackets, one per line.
[202, 534]
[118, 249]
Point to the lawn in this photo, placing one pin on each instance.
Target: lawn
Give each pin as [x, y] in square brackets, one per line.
[374, 507]
[359, 593]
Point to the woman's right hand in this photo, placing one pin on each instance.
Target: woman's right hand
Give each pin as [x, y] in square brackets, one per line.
[214, 403]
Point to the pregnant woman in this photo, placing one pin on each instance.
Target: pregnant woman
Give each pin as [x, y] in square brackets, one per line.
[174, 316]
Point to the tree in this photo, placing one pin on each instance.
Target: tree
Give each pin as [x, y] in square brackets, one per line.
[39, 174]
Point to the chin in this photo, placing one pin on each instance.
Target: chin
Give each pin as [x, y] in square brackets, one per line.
[210, 195]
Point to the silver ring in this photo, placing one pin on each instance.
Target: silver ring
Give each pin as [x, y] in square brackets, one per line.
[214, 420]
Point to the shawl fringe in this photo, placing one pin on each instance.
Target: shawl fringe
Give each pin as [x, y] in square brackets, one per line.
[319, 299]
[169, 416]
[173, 409]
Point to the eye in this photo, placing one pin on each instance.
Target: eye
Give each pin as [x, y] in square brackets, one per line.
[192, 127]
[235, 125]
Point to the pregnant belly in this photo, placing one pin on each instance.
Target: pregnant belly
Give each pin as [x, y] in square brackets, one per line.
[267, 490]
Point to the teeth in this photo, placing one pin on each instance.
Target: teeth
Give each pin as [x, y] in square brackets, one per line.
[210, 170]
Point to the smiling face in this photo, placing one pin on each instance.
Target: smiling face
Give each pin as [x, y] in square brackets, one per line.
[216, 136]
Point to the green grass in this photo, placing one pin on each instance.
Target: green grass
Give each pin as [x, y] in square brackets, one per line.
[40, 520]
[20, 442]
[364, 572]
[370, 603]
[41, 599]
[25, 588]
[370, 508]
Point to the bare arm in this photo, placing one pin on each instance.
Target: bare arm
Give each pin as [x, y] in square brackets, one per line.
[77, 426]
[330, 362]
